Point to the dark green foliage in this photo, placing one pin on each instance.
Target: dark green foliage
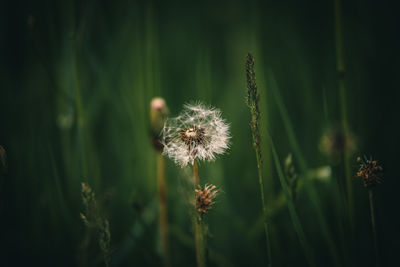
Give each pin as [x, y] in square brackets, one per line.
[76, 80]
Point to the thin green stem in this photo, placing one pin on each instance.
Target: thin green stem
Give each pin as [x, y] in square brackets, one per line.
[198, 225]
[196, 174]
[162, 197]
[373, 224]
[342, 211]
[252, 102]
[199, 240]
[265, 221]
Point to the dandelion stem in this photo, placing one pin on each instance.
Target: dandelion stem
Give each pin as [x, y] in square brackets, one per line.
[163, 218]
[196, 174]
[198, 231]
[199, 239]
[252, 102]
[373, 224]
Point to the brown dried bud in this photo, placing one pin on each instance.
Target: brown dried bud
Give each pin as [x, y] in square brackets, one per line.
[205, 198]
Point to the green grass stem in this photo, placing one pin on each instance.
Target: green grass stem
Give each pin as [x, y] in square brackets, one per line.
[252, 102]
[198, 224]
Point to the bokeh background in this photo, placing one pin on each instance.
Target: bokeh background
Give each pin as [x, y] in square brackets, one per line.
[77, 78]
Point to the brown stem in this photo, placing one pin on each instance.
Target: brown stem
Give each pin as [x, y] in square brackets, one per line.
[162, 197]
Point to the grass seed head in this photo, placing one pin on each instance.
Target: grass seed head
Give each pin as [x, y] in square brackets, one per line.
[252, 101]
[92, 218]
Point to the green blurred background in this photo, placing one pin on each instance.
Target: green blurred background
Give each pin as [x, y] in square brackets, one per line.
[77, 78]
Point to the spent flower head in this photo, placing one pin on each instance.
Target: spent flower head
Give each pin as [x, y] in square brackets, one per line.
[335, 142]
[198, 133]
[370, 171]
[205, 198]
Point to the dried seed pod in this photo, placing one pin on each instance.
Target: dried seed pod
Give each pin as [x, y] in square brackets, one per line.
[370, 172]
[205, 198]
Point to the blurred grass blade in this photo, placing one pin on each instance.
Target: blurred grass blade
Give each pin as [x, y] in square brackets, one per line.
[63, 205]
[343, 112]
[293, 214]
[303, 166]
[325, 106]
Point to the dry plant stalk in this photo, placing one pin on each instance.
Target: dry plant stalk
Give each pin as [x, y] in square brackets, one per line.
[158, 115]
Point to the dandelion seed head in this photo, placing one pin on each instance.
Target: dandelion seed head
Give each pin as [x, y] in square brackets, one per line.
[199, 132]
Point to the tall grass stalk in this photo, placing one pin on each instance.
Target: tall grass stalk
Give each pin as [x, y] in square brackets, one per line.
[198, 224]
[303, 168]
[252, 100]
[373, 224]
[343, 110]
[162, 197]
